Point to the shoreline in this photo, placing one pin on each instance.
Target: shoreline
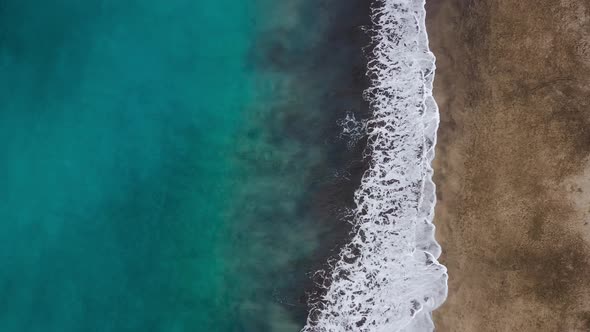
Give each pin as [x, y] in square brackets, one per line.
[512, 164]
[388, 275]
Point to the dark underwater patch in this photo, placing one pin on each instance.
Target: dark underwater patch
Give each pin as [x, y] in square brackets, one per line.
[324, 56]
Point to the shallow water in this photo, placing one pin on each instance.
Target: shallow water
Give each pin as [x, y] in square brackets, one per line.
[173, 165]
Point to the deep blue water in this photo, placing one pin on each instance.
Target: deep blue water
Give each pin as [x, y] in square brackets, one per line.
[169, 165]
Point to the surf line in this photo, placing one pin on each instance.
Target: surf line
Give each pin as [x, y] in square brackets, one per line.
[387, 278]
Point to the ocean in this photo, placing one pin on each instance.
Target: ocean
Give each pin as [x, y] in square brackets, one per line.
[195, 166]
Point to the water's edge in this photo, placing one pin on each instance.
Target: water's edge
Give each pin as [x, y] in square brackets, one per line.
[388, 276]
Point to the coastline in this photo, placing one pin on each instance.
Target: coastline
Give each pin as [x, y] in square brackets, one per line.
[388, 276]
[512, 164]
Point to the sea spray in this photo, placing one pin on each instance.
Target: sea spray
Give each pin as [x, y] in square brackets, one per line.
[388, 278]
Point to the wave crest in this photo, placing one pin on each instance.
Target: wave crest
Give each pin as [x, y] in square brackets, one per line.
[388, 277]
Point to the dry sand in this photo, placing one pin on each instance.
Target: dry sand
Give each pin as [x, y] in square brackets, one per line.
[512, 165]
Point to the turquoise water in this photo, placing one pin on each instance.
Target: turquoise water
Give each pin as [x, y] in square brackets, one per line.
[160, 160]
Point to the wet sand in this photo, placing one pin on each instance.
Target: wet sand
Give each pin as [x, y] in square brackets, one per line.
[512, 165]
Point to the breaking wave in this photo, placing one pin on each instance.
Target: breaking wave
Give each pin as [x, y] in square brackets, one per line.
[388, 277]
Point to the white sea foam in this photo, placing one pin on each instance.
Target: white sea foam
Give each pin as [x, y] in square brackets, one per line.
[388, 278]
[352, 129]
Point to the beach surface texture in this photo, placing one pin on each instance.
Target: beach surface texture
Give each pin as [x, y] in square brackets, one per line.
[512, 168]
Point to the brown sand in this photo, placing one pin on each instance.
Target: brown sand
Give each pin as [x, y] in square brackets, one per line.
[512, 165]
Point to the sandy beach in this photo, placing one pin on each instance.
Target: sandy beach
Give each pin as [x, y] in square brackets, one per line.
[512, 167]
